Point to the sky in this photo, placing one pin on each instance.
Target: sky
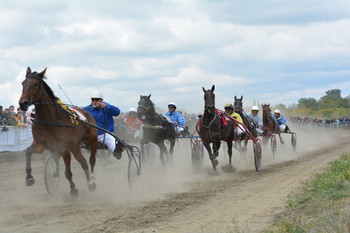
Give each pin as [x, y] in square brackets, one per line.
[268, 51]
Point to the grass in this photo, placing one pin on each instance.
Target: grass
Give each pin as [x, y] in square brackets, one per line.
[321, 204]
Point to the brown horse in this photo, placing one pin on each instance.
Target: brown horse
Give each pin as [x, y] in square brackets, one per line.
[211, 129]
[54, 130]
[270, 125]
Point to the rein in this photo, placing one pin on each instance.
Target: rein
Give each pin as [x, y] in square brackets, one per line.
[59, 124]
[55, 124]
[211, 122]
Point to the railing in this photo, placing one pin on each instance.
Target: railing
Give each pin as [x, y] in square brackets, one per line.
[14, 138]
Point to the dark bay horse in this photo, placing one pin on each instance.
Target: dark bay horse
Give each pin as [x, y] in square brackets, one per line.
[270, 125]
[54, 130]
[156, 128]
[211, 129]
[238, 108]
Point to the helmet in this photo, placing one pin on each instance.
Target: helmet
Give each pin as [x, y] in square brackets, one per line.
[255, 108]
[277, 111]
[97, 95]
[228, 106]
[172, 104]
[132, 110]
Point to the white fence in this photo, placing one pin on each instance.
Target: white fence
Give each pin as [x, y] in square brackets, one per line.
[16, 138]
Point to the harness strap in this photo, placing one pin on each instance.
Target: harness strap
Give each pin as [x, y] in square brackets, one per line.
[71, 113]
[223, 119]
[153, 126]
[58, 124]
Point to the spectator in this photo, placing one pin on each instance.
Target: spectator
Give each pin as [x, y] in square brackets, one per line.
[1, 112]
[12, 119]
[5, 114]
[19, 119]
[30, 116]
[11, 110]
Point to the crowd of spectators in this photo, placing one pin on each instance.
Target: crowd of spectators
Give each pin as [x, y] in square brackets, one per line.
[10, 117]
[316, 122]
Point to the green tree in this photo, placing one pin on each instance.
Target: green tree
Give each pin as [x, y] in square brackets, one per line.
[347, 101]
[310, 103]
[332, 99]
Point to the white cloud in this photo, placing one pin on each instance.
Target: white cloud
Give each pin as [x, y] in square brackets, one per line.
[274, 51]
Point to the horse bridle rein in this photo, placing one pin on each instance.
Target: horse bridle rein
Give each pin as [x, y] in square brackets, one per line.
[30, 102]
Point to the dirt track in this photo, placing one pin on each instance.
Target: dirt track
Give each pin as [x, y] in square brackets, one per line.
[168, 199]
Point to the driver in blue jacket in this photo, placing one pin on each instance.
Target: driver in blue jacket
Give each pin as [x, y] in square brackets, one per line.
[176, 118]
[103, 113]
[281, 121]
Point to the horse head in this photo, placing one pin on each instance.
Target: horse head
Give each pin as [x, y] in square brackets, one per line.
[209, 99]
[145, 106]
[31, 88]
[238, 104]
[266, 109]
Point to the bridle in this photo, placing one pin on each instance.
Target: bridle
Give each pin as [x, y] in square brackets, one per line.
[209, 108]
[29, 78]
[147, 108]
[237, 107]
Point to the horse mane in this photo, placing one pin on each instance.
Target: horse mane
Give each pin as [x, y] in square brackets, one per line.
[49, 90]
[152, 104]
[46, 86]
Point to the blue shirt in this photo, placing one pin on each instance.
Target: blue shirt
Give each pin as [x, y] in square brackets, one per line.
[280, 120]
[104, 116]
[176, 116]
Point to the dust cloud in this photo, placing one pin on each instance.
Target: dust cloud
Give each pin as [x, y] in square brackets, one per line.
[31, 209]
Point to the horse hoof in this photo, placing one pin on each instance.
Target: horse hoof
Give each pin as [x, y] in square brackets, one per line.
[74, 192]
[228, 168]
[92, 187]
[30, 181]
[215, 162]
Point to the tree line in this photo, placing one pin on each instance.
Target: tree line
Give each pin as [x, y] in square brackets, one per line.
[331, 105]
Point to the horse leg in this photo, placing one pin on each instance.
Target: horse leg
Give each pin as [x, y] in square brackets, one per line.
[245, 145]
[281, 140]
[215, 137]
[212, 158]
[92, 160]
[163, 151]
[34, 148]
[84, 165]
[29, 178]
[171, 149]
[229, 145]
[68, 172]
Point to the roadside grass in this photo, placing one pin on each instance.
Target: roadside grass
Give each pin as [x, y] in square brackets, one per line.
[321, 204]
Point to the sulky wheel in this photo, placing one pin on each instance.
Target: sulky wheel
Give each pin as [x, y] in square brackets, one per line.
[257, 155]
[51, 175]
[134, 167]
[197, 156]
[273, 145]
[294, 142]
